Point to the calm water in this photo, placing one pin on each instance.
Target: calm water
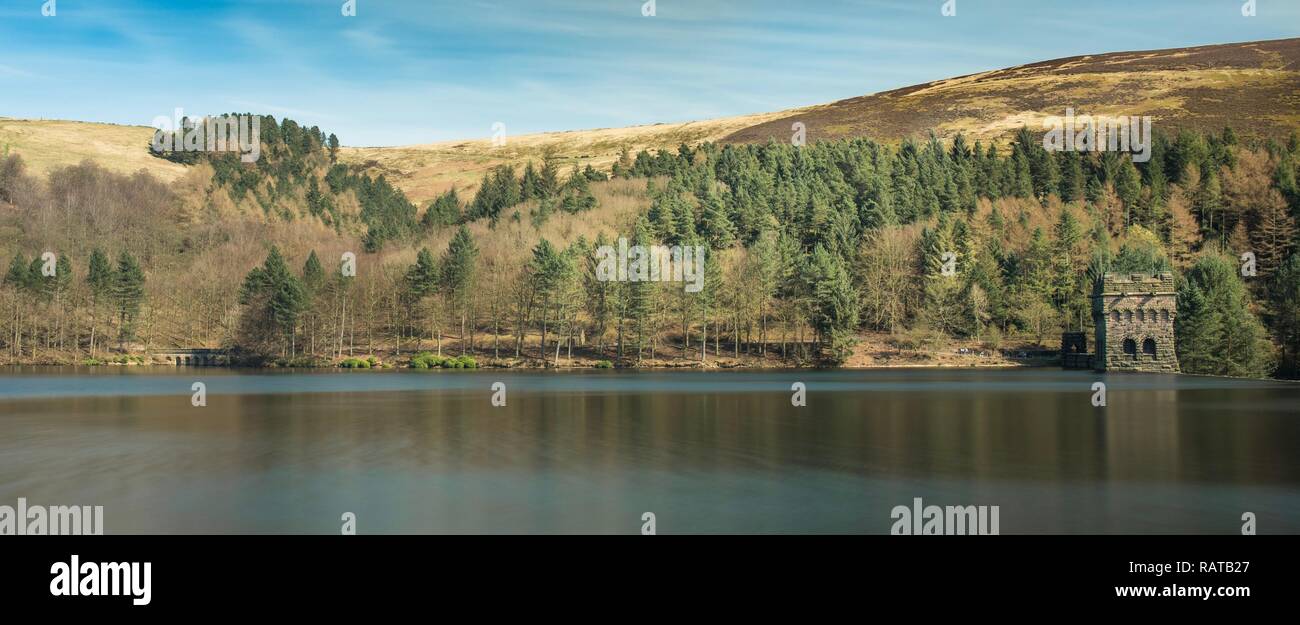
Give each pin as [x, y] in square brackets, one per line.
[411, 451]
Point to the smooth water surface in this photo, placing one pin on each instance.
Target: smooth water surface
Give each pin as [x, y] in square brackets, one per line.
[582, 452]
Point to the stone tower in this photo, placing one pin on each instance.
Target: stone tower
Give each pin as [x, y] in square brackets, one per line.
[1134, 316]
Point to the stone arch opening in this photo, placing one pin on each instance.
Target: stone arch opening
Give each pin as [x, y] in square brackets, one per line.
[1130, 348]
[1149, 348]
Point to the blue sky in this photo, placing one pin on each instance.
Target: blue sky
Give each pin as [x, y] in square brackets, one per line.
[417, 71]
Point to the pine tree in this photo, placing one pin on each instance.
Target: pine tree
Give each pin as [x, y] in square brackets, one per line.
[1284, 300]
[457, 279]
[835, 310]
[639, 291]
[548, 179]
[1209, 206]
[528, 185]
[313, 274]
[549, 269]
[419, 282]
[1067, 289]
[1215, 331]
[1128, 185]
[1072, 181]
[128, 294]
[600, 294]
[442, 212]
[273, 298]
[19, 279]
[714, 225]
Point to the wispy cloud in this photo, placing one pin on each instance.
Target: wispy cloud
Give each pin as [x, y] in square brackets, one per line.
[409, 71]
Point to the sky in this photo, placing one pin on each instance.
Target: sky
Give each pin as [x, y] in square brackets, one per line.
[403, 72]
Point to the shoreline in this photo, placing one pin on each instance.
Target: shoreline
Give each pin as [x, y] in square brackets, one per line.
[872, 351]
[537, 366]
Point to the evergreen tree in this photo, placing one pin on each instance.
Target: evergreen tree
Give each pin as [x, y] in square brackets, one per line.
[836, 305]
[1216, 332]
[443, 211]
[549, 269]
[457, 279]
[418, 283]
[313, 274]
[273, 298]
[1068, 290]
[1072, 180]
[1209, 206]
[19, 279]
[128, 294]
[1284, 300]
[528, 185]
[548, 179]
[715, 226]
[638, 292]
[600, 294]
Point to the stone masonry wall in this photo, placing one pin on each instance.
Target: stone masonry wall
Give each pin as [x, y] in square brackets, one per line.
[1139, 308]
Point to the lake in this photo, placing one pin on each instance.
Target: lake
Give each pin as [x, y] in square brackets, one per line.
[591, 451]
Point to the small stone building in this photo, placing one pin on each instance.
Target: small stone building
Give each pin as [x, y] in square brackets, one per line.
[1074, 351]
[1134, 317]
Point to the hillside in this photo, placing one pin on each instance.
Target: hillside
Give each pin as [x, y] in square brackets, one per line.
[49, 144]
[424, 171]
[832, 253]
[1253, 87]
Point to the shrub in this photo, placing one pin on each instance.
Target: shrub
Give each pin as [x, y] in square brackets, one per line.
[355, 363]
[426, 360]
[604, 364]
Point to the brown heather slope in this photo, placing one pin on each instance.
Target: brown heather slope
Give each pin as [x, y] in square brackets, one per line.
[1253, 87]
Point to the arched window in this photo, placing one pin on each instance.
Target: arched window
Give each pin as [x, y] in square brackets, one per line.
[1130, 348]
[1142, 315]
[1114, 315]
[1164, 315]
[1130, 316]
[1149, 348]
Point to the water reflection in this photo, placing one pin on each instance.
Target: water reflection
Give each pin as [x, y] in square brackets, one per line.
[706, 451]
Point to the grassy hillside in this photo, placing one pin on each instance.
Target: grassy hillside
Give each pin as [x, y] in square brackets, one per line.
[46, 145]
[425, 171]
[1253, 87]
[1249, 86]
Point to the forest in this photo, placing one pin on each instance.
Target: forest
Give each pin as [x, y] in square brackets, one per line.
[301, 260]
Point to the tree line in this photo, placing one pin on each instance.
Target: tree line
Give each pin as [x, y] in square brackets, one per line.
[807, 248]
